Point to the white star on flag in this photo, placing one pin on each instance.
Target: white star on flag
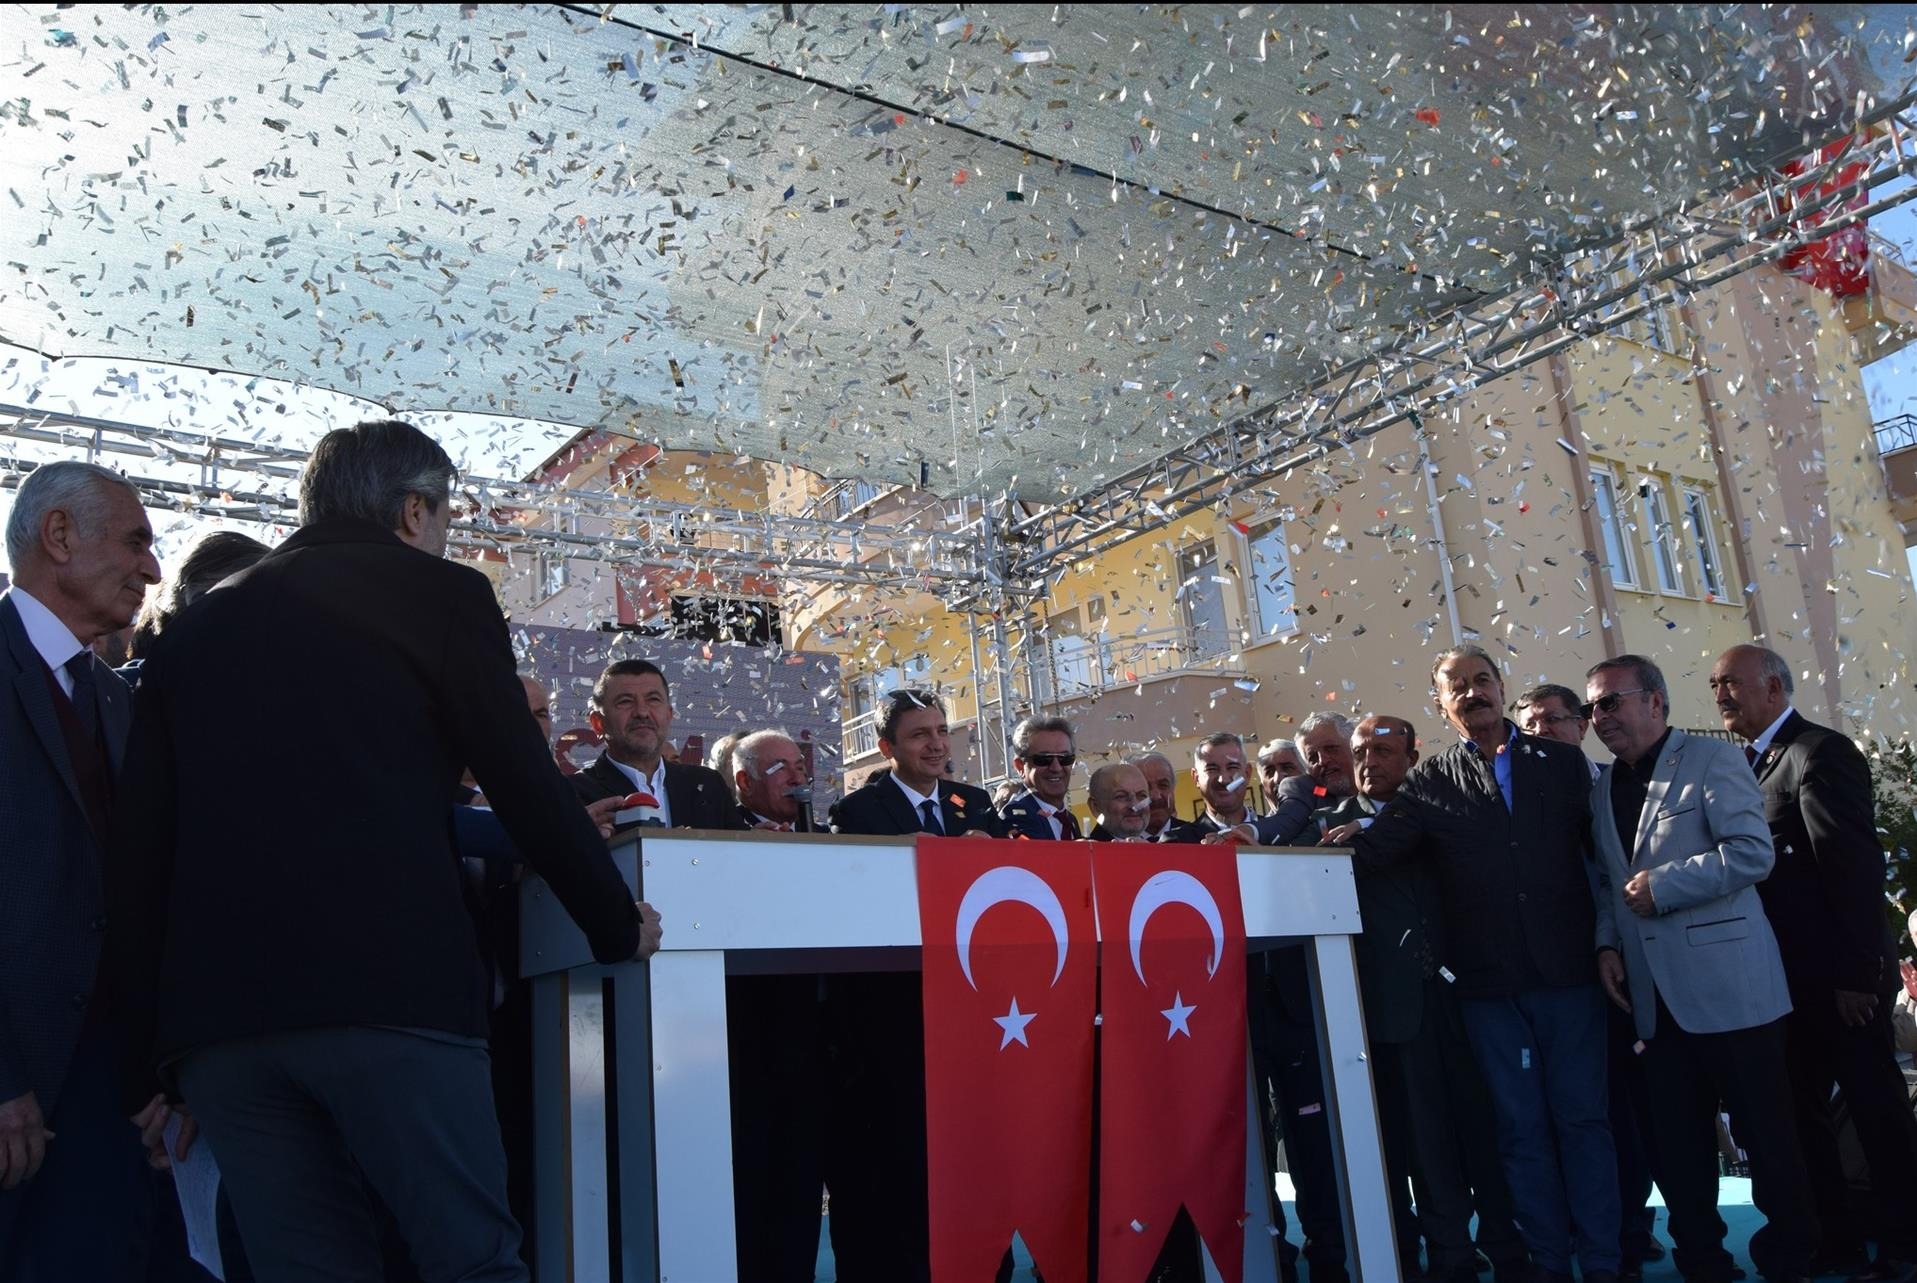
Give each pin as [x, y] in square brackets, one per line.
[1013, 1023]
[1178, 1017]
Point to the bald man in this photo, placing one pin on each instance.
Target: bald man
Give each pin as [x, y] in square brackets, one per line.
[1121, 803]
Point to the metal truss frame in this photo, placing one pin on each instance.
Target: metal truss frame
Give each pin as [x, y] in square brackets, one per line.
[235, 479]
[1570, 298]
[995, 557]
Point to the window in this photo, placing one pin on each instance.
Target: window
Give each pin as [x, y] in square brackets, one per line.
[1201, 602]
[854, 495]
[1074, 640]
[1272, 591]
[1657, 514]
[1617, 540]
[553, 574]
[1703, 531]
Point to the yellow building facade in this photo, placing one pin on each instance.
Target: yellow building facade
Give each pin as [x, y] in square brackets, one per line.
[1705, 476]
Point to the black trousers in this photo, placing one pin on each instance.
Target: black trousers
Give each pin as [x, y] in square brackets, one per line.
[1632, 1135]
[89, 1212]
[1453, 1136]
[1745, 1069]
[1290, 1080]
[875, 1148]
[1862, 1062]
[773, 1031]
[302, 1123]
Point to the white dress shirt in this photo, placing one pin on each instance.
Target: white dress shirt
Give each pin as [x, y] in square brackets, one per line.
[1763, 742]
[654, 784]
[53, 639]
[918, 800]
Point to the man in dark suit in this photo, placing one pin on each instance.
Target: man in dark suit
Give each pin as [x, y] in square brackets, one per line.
[1286, 1062]
[1162, 824]
[875, 1149]
[775, 1044]
[1825, 901]
[303, 968]
[1043, 752]
[78, 1206]
[632, 712]
[1434, 1112]
[1503, 822]
[774, 788]
[1218, 769]
[1121, 803]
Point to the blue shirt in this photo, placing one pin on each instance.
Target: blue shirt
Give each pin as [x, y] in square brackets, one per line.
[1500, 761]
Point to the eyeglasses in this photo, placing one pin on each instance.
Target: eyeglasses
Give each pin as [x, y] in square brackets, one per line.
[1051, 759]
[1607, 703]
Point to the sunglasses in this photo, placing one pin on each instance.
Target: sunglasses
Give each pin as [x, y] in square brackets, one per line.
[1051, 759]
[1606, 703]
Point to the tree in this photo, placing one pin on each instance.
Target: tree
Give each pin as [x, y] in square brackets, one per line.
[1894, 781]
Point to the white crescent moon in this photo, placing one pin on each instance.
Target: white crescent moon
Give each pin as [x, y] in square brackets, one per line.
[996, 886]
[1175, 887]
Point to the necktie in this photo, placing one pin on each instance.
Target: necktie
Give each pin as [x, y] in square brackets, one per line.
[1067, 823]
[929, 817]
[1750, 755]
[86, 697]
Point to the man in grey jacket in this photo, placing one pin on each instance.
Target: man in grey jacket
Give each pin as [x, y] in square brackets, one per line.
[1683, 944]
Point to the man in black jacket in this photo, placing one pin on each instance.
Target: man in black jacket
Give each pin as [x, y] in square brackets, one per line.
[1434, 1112]
[1162, 823]
[1503, 822]
[632, 712]
[1043, 753]
[301, 965]
[876, 1154]
[1825, 901]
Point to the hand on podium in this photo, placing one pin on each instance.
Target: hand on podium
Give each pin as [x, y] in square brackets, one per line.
[601, 813]
[649, 931]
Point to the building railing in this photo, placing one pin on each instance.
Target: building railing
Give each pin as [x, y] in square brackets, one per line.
[1086, 666]
[862, 735]
[1896, 433]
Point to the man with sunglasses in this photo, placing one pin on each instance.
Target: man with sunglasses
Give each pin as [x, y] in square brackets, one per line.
[1043, 755]
[1502, 820]
[1682, 845]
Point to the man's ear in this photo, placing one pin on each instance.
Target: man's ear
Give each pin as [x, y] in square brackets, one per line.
[413, 516]
[597, 721]
[58, 533]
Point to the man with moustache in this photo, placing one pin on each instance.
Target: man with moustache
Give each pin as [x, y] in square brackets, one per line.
[1278, 761]
[1825, 900]
[75, 1194]
[1434, 1112]
[1043, 755]
[1502, 819]
[1681, 845]
[1161, 778]
[632, 711]
[875, 1147]
[773, 785]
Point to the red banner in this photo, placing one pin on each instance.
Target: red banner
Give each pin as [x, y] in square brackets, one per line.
[1172, 1096]
[1010, 975]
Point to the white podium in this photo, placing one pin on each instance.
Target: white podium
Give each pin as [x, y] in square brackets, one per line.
[631, 1100]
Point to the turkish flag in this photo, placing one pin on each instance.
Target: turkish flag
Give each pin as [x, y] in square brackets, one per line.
[1010, 973]
[1172, 1100]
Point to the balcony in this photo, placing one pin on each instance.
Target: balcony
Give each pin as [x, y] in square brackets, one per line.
[1897, 447]
[1883, 318]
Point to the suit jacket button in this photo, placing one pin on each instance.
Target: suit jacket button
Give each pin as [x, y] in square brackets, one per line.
[78, 1000]
[99, 923]
[1522, 897]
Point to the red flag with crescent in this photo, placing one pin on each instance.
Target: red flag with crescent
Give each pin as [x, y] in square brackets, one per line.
[1010, 976]
[1172, 1096]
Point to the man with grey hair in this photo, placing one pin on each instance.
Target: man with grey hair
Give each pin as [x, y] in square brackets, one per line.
[1278, 761]
[770, 777]
[317, 1059]
[1044, 752]
[1825, 900]
[81, 550]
